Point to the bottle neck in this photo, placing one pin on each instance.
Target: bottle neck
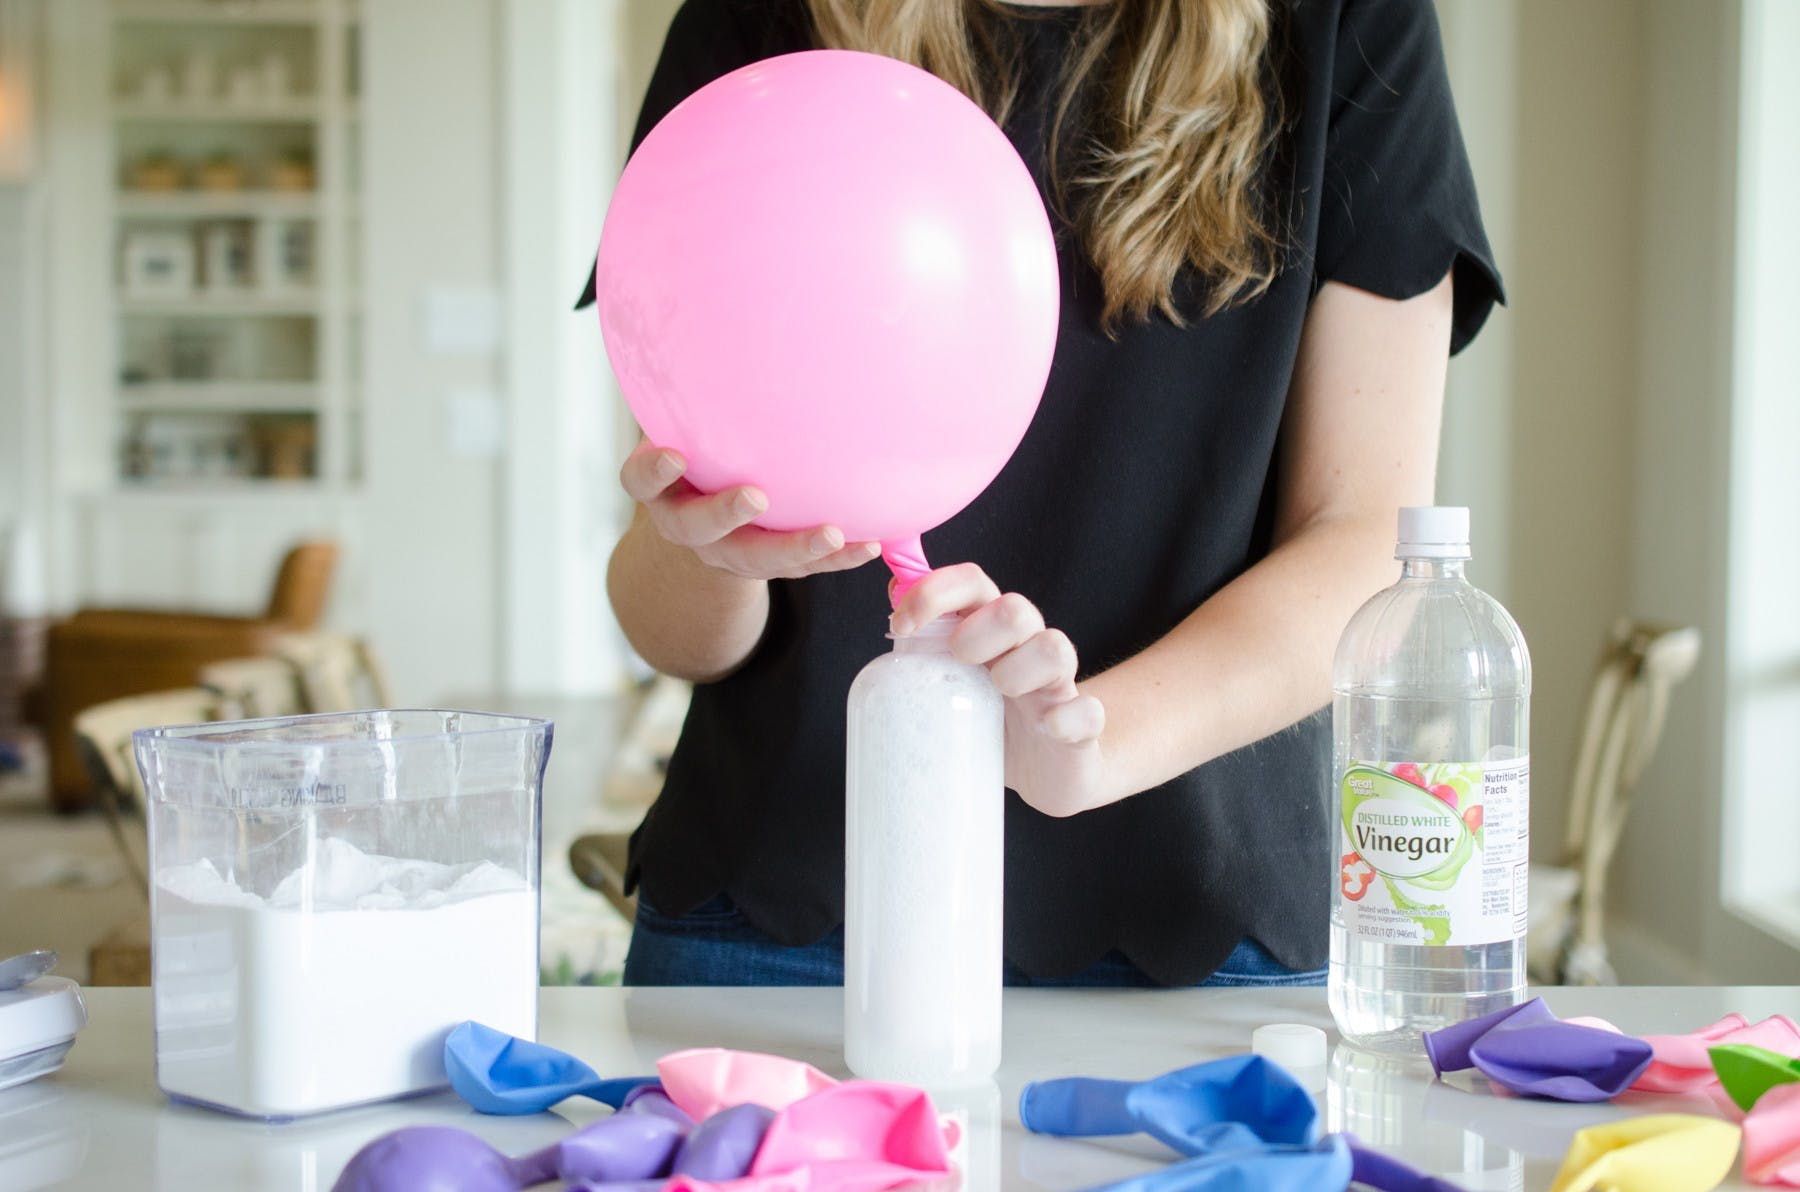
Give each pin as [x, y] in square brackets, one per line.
[1419, 568]
[930, 638]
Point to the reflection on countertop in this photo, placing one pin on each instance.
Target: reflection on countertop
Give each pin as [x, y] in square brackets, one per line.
[102, 1123]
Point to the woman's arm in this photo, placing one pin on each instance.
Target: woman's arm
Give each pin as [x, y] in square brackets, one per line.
[689, 581]
[1359, 440]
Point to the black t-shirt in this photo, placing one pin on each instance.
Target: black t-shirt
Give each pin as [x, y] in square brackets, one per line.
[1145, 484]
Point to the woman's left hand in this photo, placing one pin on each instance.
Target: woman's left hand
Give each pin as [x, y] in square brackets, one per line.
[1053, 754]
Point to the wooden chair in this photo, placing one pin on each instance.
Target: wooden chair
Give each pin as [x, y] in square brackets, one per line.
[1627, 708]
[598, 862]
[336, 672]
[633, 779]
[252, 688]
[103, 741]
[101, 654]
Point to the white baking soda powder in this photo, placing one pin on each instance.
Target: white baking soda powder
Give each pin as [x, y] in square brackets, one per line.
[274, 1011]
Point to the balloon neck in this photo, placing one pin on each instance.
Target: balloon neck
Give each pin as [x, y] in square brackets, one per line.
[906, 559]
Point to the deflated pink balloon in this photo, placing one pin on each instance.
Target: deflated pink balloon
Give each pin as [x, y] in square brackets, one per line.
[829, 274]
[704, 1080]
[862, 1136]
[1772, 1138]
[799, 1181]
[1681, 1063]
[858, 1136]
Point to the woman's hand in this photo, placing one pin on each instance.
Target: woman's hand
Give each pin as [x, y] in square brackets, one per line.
[1053, 754]
[716, 527]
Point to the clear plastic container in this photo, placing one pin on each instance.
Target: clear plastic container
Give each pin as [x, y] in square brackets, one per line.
[331, 894]
[1430, 722]
[924, 839]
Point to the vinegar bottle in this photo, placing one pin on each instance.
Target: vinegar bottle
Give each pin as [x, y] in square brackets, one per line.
[925, 790]
[1430, 716]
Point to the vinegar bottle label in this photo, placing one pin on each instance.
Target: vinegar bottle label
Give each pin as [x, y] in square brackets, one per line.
[1433, 853]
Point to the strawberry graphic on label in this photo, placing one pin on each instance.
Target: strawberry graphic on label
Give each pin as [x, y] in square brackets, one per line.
[1355, 876]
[1408, 772]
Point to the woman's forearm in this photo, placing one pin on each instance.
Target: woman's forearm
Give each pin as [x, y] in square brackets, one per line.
[1247, 663]
[683, 617]
[1359, 440]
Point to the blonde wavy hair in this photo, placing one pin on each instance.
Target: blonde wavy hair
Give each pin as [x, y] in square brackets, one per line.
[1163, 110]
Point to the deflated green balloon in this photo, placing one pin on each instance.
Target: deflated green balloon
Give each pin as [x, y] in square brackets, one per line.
[1747, 1071]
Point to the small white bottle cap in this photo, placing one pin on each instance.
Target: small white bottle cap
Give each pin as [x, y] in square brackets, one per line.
[1290, 1044]
[1433, 532]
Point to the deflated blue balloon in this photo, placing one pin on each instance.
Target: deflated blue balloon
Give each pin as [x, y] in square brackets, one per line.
[498, 1073]
[1322, 1167]
[1244, 1124]
[1225, 1105]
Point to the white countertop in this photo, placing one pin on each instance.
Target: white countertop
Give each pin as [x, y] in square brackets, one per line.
[101, 1123]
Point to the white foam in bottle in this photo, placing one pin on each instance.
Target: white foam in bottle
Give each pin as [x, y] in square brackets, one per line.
[924, 820]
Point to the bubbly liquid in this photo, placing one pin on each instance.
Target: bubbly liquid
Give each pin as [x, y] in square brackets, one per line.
[925, 820]
[1384, 995]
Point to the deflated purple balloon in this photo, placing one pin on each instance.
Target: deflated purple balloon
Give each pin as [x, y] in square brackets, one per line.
[1388, 1174]
[1448, 1048]
[721, 1147]
[650, 1099]
[429, 1159]
[625, 1146]
[1529, 1050]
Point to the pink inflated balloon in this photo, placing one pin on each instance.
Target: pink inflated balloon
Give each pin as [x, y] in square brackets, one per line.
[828, 274]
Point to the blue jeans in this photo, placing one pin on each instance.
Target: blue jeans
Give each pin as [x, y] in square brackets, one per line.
[714, 944]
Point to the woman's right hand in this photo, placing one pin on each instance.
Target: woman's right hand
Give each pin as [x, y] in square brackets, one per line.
[716, 526]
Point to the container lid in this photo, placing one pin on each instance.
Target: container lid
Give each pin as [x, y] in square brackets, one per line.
[1433, 532]
[39, 1014]
[1293, 1045]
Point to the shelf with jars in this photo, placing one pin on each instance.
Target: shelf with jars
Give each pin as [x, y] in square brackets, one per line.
[234, 222]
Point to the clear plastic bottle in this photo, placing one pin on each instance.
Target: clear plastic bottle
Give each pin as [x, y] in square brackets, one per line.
[924, 825]
[1430, 720]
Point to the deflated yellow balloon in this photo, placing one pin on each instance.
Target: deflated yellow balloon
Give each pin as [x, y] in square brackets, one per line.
[1665, 1152]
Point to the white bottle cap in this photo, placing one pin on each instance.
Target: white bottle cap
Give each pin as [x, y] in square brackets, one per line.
[1433, 532]
[1293, 1046]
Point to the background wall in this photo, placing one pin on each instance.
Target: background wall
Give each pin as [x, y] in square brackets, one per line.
[16, 348]
[1589, 427]
[1668, 892]
[1573, 293]
[433, 236]
[19, 231]
[1604, 138]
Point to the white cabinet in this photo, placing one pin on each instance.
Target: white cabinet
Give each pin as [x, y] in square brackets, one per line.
[202, 393]
[159, 551]
[450, 412]
[233, 132]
